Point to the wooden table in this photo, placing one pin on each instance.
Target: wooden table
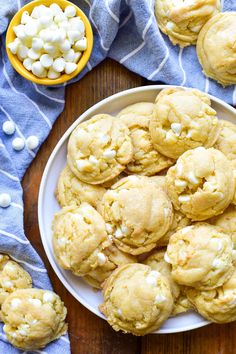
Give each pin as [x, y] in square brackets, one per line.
[88, 333]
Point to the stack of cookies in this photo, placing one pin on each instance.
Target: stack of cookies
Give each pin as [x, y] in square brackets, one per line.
[148, 211]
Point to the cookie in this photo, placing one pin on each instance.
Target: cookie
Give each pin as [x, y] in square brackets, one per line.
[137, 299]
[71, 191]
[157, 262]
[226, 143]
[216, 48]
[12, 277]
[182, 21]
[99, 149]
[183, 119]
[216, 305]
[146, 160]
[179, 221]
[79, 236]
[33, 318]
[201, 256]
[137, 214]
[201, 184]
[109, 260]
[227, 222]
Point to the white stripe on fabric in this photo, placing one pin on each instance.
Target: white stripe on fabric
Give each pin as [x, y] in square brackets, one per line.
[18, 130]
[16, 205]
[65, 339]
[181, 66]
[126, 57]
[128, 17]
[93, 22]
[18, 4]
[234, 96]
[89, 66]
[2, 146]
[207, 83]
[45, 95]
[10, 235]
[23, 94]
[136, 50]
[41, 270]
[115, 18]
[222, 4]
[156, 71]
[7, 174]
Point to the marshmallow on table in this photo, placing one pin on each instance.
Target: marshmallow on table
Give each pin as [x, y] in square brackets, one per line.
[49, 41]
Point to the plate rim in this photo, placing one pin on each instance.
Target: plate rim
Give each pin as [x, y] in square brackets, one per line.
[43, 182]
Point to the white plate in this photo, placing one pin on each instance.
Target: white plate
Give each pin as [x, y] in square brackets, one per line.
[48, 205]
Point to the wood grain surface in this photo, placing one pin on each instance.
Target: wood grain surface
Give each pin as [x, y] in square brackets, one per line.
[88, 333]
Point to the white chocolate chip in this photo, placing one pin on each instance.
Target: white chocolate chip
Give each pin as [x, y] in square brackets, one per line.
[35, 302]
[170, 25]
[124, 229]
[118, 233]
[32, 142]
[177, 128]
[81, 44]
[65, 46]
[38, 70]
[55, 9]
[69, 56]
[28, 63]
[9, 127]
[25, 17]
[37, 44]
[217, 263]
[152, 277]
[166, 212]
[46, 60]
[18, 144]
[31, 28]
[81, 164]
[119, 312]
[182, 255]
[13, 46]
[167, 258]
[15, 303]
[22, 52]
[101, 258]
[179, 168]
[93, 160]
[52, 74]
[48, 297]
[109, 154]
[77, 57]
[104, 138]
[7, 284]
[180, 183]
[33, 54]
[70, 11]
[184, 198]
[77, 24]
[109, 228]
[192, 178]
[70, 68]
[160, 298]
[59, 65]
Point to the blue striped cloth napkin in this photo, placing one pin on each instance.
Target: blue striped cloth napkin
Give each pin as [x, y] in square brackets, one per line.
[125, 31]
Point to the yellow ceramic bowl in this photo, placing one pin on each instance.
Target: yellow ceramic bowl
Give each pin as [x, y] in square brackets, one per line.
[17, 64]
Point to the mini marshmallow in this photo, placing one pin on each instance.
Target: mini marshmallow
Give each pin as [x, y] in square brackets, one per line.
[73, 36]
[13, 46]
[52, 74]
[22, 52]
[37, 69]
[5, 200]
[65, 46]
[70, 67]
[33, 54]
[59, 64]
[70, 11]
[9, 127]
[37, 44]
[32, 142]
[81, 44]
[18, 144]
[28, 63]
[69, 56]
[46, 60]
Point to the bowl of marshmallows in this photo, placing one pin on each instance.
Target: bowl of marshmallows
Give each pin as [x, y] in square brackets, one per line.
[49, 42]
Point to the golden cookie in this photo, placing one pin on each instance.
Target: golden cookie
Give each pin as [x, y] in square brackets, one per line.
[216, 48]
[79, 236]
[109, 259]
[137, 214]
[33, 318]
[201, 256]
[146, 160]
[182, 21]
[156, 262]
[218, 305]
[137, 299]
[99, 149]
[12, 277]
[71, 191]
[201, 184]
[182, 120]
[227, 222]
